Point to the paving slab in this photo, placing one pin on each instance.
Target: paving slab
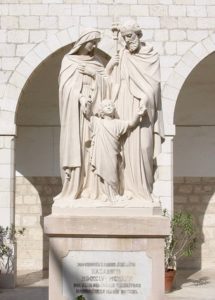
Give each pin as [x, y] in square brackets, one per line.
[194, 285]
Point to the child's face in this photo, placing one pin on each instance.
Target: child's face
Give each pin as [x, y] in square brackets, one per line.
[108, 108]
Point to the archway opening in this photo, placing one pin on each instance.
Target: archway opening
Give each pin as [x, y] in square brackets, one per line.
[194, 164]
[37, 162]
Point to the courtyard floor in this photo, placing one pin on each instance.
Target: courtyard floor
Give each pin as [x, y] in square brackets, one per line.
[190, 285]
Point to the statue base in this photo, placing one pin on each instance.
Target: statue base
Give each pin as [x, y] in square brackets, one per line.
[106, 253]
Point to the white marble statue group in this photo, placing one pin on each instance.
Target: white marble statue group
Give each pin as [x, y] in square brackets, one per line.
[111, 119]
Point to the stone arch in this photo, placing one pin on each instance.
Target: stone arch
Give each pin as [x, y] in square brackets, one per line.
[180, 73]
[30, 62]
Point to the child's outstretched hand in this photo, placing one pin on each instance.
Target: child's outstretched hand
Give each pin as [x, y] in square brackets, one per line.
[142, 110]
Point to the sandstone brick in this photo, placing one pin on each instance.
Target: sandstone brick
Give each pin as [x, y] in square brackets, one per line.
[190, 59]
[183, 47]
[23, 49]
[158, 10]
[196, 11]
[5, 185]
[185, 188]
[169, 22]
[178, 35]
[164, 173]
[51, 1]
[119, 10]
[60, 10]
[193, 179]
[183, 69]
[4, 10]
[139, 10]
[7, 49]
[22, 209]
[29, 221]
[80, 10]
[18, 36]
[206, 23]
[165, 73]
[39, 9]
[89, 21]
[162, 188]
[9, 22]
[180, 199]
[185, 2]
[200, 51]
[18, 200]
[197, 35]
[176, 80]
[187, 22]
[209, 45]
[211, 11]
[177, 10]
[10, 63]
[3, 36]
[19, 9]
[194, 199]
[35, 209]
[208, 179]
[29, 22]
[169, 61]
[79, 1]
[30, 199]
[161, 35]
[37, 36]
[148, 22]
[158, 46]
[4, 76]
[104, 22]
[68, 21]
[49, 22]
[99, 10]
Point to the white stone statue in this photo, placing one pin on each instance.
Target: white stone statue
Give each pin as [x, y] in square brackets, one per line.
[106, 160]
[135, 74]
[82, 76]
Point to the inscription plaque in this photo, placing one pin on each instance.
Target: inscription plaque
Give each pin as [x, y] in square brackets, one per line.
[107, 275]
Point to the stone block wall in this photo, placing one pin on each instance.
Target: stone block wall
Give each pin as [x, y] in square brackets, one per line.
[197, 196]
[34, 197]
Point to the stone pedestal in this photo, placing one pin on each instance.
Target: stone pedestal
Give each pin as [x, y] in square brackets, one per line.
[106, 254]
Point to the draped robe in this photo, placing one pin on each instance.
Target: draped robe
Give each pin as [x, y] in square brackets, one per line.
[74, 137]
[136, 82]
[106, 147]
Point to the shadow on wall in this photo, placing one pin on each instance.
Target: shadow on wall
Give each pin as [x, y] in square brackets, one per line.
[197, 196]
[34, 198]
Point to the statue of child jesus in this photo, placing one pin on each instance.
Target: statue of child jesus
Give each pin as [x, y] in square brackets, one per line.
[105, 146]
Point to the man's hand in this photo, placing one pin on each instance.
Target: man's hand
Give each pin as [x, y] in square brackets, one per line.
[114, 61]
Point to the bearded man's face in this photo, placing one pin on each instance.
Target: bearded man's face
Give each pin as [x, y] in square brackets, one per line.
[132, 41]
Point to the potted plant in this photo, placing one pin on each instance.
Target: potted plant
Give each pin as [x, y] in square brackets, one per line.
[8, 236]
[181, 242]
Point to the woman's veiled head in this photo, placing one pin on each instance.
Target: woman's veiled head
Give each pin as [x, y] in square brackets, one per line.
[87, 42]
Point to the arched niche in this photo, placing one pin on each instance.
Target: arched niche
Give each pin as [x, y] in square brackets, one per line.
[194, 164]
[37, 157]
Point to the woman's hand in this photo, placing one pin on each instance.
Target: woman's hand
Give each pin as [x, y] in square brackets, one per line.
[83, 69]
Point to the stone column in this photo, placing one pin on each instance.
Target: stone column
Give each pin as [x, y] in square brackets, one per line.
[163, 187]
[7, 193]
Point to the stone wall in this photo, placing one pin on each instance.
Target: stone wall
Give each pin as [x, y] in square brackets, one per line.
[197, 196]
[34, 197]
